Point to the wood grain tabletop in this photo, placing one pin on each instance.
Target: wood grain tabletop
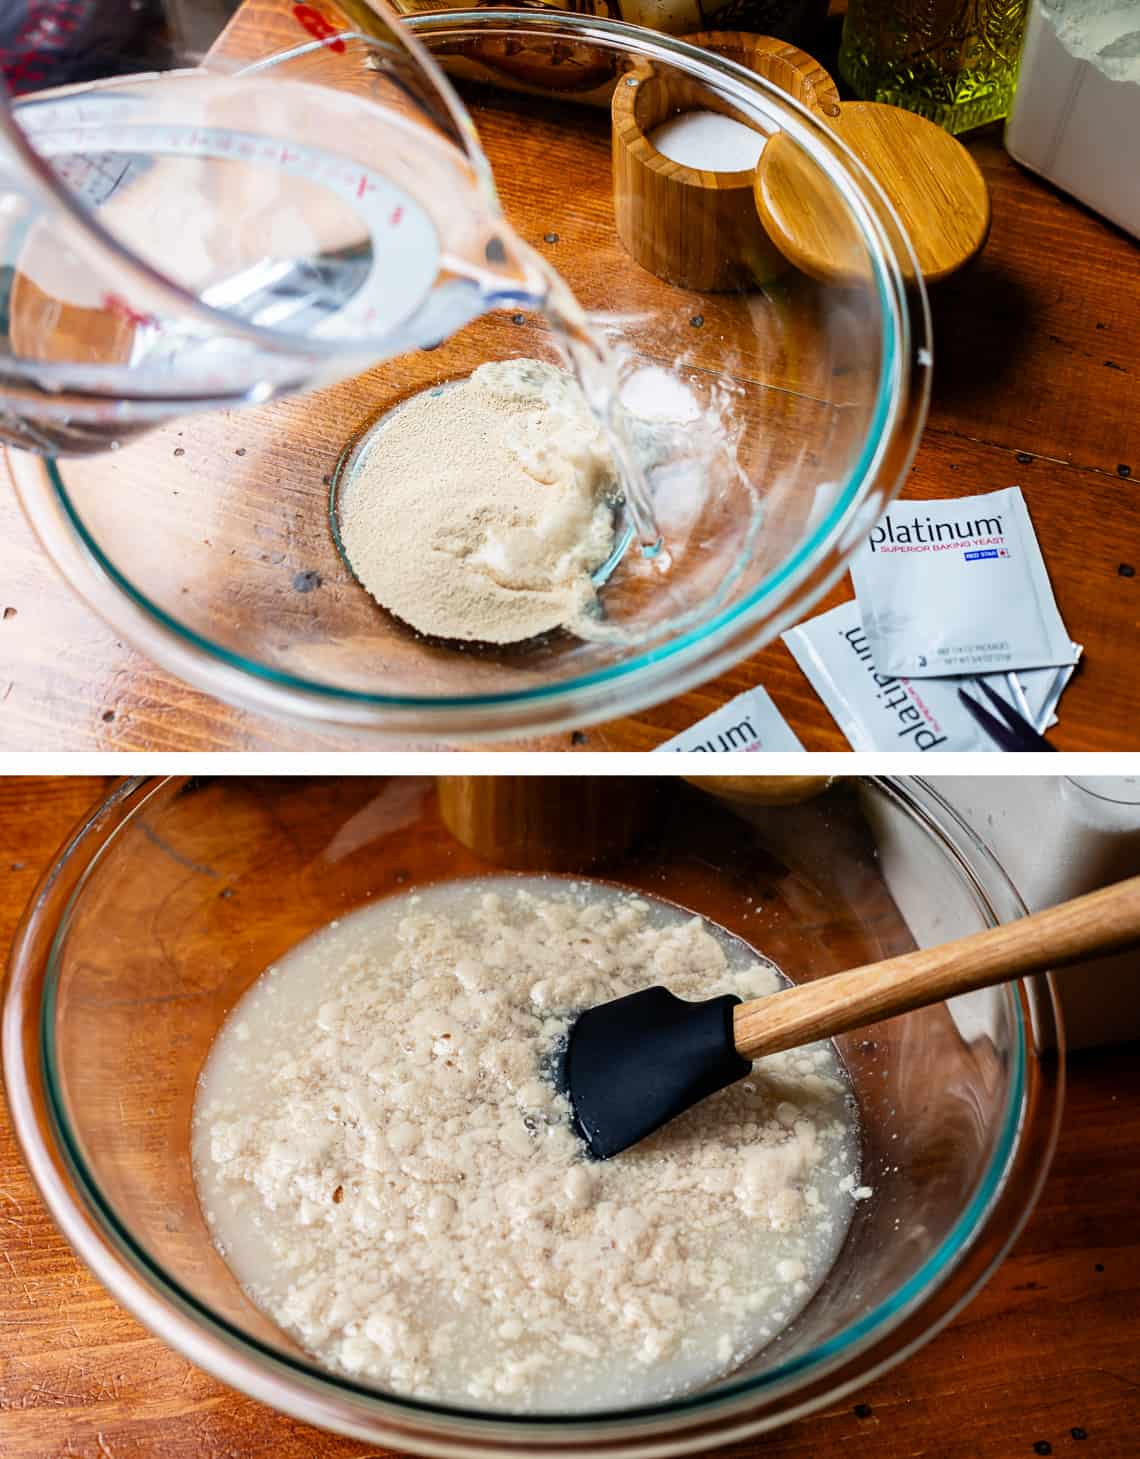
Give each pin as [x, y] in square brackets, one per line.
[1044, 1360]
[1036, 384]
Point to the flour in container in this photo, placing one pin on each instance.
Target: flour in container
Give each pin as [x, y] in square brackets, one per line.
[1106, 33]
[385, 1165]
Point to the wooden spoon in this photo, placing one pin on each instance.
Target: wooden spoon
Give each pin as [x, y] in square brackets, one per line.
[633, 1064]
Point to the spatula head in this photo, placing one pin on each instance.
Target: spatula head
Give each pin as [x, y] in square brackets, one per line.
[636, 1063]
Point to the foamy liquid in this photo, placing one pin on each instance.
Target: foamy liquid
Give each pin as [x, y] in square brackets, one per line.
[386, 1167]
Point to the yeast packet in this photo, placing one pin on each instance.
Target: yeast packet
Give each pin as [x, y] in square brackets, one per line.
[958, 587]
[749, 722]
[879, 711]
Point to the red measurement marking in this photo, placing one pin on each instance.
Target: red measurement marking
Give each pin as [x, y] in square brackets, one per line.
[394, 220]
[363, 185]
[317, 25]
[116, 304]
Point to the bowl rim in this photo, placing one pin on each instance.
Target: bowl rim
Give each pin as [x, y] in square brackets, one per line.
[786, 593]
[946, 1280]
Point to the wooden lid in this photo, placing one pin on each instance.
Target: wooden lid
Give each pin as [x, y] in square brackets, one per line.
[931, 180]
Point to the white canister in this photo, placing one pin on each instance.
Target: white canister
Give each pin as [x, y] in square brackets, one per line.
[1058, 837]
[1076, 115]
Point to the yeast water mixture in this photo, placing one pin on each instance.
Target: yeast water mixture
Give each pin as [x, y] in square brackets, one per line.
[387, 1168]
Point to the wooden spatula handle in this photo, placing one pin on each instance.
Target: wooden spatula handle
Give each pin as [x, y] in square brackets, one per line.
[1088, 926]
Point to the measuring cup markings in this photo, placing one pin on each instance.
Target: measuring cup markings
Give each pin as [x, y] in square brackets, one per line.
[405, 245]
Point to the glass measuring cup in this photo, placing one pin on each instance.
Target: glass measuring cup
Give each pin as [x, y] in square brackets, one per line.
[189, 238]
[208, 531]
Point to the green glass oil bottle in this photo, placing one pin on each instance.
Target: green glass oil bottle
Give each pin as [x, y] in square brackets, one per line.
[953, 61]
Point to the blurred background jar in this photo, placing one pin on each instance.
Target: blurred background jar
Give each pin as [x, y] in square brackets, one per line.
[46, 43]
[580, 71]
[953, 61]
[788, 19]
[50, 42]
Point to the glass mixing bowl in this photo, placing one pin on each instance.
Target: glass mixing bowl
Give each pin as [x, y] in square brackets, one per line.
[208, 541]
[175, 894]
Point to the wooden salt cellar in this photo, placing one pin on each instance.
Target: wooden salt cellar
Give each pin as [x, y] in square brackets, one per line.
[700, 230]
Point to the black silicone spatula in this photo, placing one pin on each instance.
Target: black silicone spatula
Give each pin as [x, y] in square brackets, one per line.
[634, 1064]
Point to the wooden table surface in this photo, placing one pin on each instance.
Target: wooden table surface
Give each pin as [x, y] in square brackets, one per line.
[1048, 1350]
[1036, 383]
